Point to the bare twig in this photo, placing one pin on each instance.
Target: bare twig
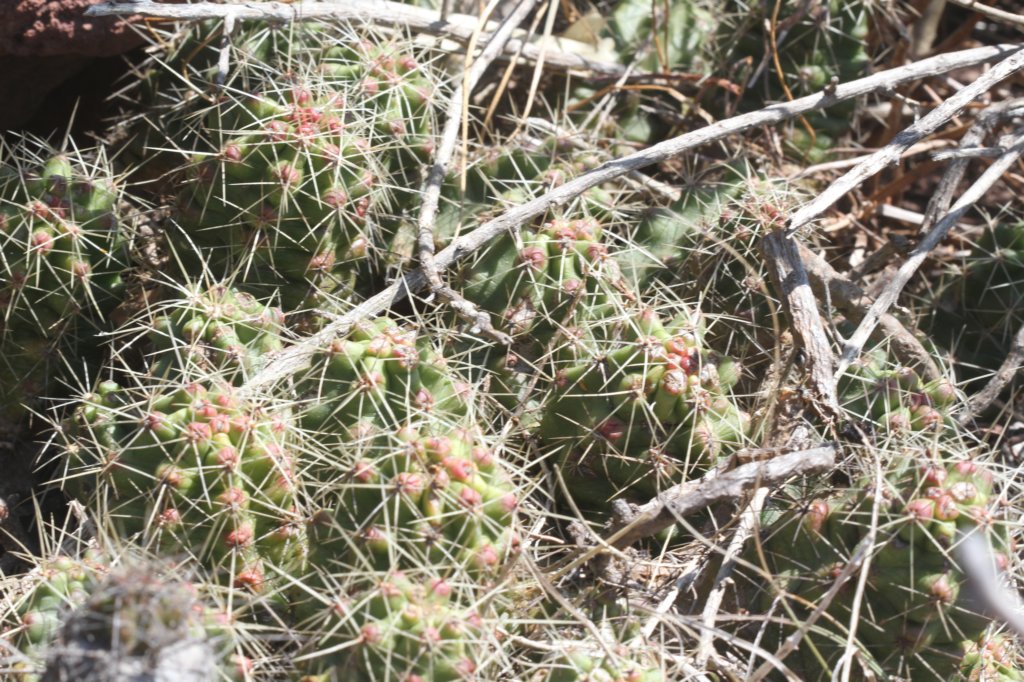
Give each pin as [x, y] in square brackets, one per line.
[992, 174]
[460, 27]
[992, 12]
[435, 178]
[687, 498]
[747, 524]
[296, 357]
[790, 277]
[974, 555]
[891, 153]
[852, 301]
[1013, 363]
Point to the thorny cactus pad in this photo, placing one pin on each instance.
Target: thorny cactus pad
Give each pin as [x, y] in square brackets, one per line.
[61, 261]
[918, 607]
[192, 469]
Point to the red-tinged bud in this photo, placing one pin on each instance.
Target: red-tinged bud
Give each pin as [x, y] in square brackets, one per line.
[441, 479]
[233, 497]
[438, 447]
[241, 424]
[370, 634]
[438, 587]
[81, 270]
[169, 517]
[921, 509]
[459, 469]
[933, 475]
[612, 429]
[277, 130]
[946, 509]
[250, 578]
[287, 174]
[817, 514]
[364, 471]
[301, 96]
[1002, 561]
[431, 636]
[371, 380]
[362, 206]
[483, 458]
[409, 484]
[423, 400]
[963, 492]
[42, 242]
[674, 383]
[407, 63]
[534, 256]
[335, 198]
[965, 468]
[942, 590]
[239, 537]
[196, 432]
[232, 153]
[220, 424]
[470, 498]
[572, 286]
[934, 492]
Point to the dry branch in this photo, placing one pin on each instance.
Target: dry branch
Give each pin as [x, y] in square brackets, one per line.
[459, 27]
[887, 298]
[891, 153]
[686, 498]
[992, 12]
[1013, 363]
[787, 272]
[297, 356]
[849, 298]
[442, 159]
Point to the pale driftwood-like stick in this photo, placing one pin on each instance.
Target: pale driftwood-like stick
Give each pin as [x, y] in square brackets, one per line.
[435, 178]
[828, 284]
[687, 498]
[787, 272]
[296, 357]
[459, 27]
[974, 555]
[991, 12]
[746, 526]
[992, 174]
[1013, 364]
[891, 153]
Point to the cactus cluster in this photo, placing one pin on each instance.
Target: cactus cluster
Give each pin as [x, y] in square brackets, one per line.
[406, 627]
[918, 606]
[62, 260]
[896, 398]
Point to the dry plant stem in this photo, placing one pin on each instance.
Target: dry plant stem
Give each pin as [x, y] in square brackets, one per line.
[851, 300]
[459, 27]
[1013, 363]
[297, 357]
[992, 12]
[686, 498]
[891, 153]
[442, 159]
[888, 297]
[787, 272]
[747, 524]
[974, 555]
[791, 642]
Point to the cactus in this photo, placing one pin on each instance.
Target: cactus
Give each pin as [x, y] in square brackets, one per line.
[62, 256]
[896, 398]
[815, 43]
[180, 460]
[990, 659]
[641, 410]
[302, 163]
[406, 627]
[917, 609]
[977, 308]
